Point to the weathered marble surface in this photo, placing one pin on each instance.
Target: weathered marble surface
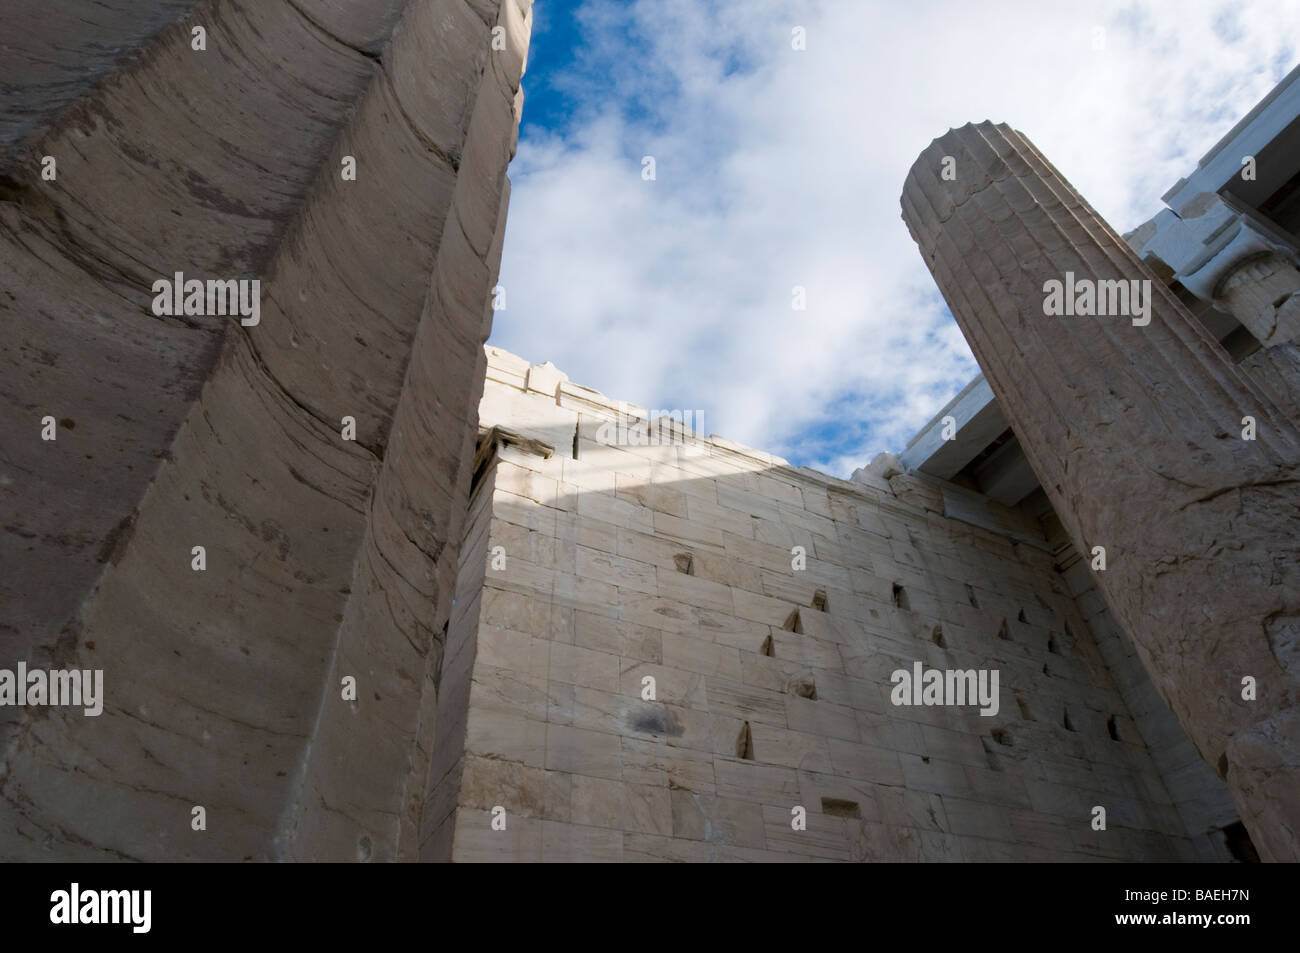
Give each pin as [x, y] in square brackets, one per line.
[325, 557]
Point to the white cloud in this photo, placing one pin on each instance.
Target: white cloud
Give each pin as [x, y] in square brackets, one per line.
[787, 171]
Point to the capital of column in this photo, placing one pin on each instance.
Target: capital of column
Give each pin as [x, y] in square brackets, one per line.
[1226, 258]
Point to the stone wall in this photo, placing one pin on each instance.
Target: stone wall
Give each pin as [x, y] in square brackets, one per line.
[674, 562]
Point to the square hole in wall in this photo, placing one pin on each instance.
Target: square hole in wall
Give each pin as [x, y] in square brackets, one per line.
[745, 743]
[990, 755]
[1237, 839]
[1024, 709]
[804, 688]
[837, 807]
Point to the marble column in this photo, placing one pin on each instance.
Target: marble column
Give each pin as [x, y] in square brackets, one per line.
[1133, 423]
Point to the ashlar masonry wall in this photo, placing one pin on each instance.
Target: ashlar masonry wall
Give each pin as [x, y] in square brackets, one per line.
[602, 566]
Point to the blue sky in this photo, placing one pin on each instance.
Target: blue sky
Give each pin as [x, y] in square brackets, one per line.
[778, 168]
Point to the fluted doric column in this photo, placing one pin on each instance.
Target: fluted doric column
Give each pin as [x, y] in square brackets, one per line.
[1133, 423]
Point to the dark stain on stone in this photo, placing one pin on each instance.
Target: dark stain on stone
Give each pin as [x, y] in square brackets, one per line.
[656, 719]
[116, 540]
[213, 197]
[303, 480]
[64, 653]
[273, 532]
